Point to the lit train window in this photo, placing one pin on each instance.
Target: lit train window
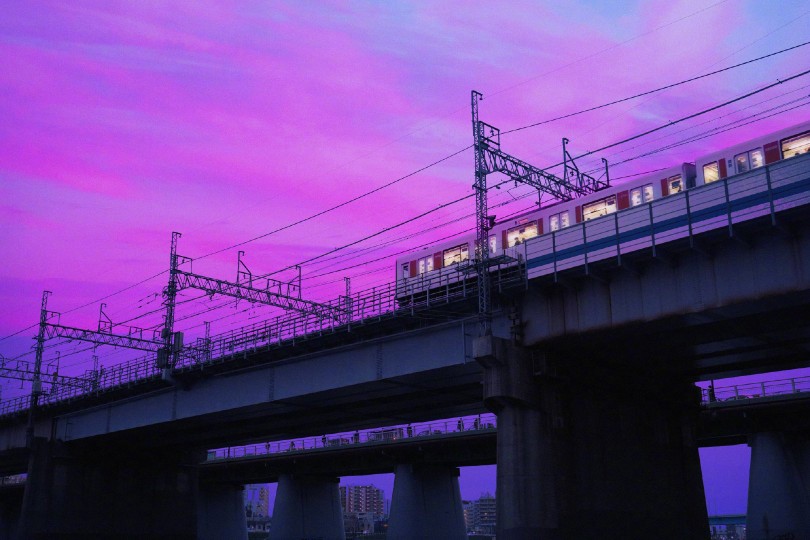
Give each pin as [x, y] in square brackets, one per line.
[757, 158]
[800, 144]
[493, 243]
[456, 255]
[675, 184]
[425, 264]
[741, 162]
[641, 195]
[711, 173]
[559, 221]
[748, 160]
[521, 233]
[599, 208]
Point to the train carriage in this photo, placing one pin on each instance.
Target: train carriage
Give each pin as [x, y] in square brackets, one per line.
[738, 183]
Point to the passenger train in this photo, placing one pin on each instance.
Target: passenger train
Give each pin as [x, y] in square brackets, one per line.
[671, 203]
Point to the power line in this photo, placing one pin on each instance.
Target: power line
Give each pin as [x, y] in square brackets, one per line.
[689, 117]
[599, 166]
[704, 134]
[288, 226]
[378, 233]
[722, 129]
[705, 111]
[340, 205]
[93, 302]
[659, 89]
[617, 45]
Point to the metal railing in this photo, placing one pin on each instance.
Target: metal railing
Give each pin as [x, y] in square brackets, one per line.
[13, 479]
[364, 307]
[748, 391]
[483, 422]
[720, 206]
[399, 299]
[386, 435]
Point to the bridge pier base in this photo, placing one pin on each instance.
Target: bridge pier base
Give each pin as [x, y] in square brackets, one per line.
[307, 507]
[779, 486]
[588, 451]
[10, 508]
[426, 503]
[221, 512]
[93, 492]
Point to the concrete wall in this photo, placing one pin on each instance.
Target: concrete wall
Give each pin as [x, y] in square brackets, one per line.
[770, 263]
[94, 492]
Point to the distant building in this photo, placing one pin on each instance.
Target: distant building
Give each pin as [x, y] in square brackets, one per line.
[728, 527]
[467, 507]
[257, 500]
[362, 500]
[479, 515]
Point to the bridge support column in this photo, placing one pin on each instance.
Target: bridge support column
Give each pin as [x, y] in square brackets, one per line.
[221, 512]
[588, 451]
[307, 507]
[426, 504]
[527, 502]
[93, 492]
[779, 486]
[10, 508]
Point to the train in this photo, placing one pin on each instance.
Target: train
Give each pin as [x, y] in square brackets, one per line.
[737, 183]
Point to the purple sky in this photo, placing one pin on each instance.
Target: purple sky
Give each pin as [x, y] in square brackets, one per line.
[124, 121]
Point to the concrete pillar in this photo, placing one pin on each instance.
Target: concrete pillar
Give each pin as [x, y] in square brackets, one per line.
[426, 504]
[91, 492]
[527, 502]
[221, 513]
[10, 508]
[307, 507]
[591, 449]
[779, 486]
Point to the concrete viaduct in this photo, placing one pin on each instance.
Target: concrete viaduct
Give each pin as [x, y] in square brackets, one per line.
[590, 370]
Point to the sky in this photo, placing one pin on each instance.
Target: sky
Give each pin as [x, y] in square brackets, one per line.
[228, 120]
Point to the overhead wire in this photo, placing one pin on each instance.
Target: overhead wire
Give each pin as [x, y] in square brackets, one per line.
[615, 46]
[466, 197]
[340, 205]
[689, 117]
[654, 91]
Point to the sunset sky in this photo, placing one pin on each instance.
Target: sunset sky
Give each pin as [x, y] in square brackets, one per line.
[226, 120]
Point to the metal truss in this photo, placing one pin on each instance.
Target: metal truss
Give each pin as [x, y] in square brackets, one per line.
[291, 288]
[100, 338]
[167, 355]
[482, 221]
[83, 383]
[574, 183]
[22, 370]
[267, 296]
[489, 158]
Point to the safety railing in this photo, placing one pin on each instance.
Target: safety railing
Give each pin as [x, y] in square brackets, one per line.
[13, 479]
[371, 305]
[721, 205]
[749, 391]
[15, 404]
[395, 434]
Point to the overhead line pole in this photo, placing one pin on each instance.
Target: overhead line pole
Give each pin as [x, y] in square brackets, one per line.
[36, 385]
[167, 356]
[489, 158]
[481, 222]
